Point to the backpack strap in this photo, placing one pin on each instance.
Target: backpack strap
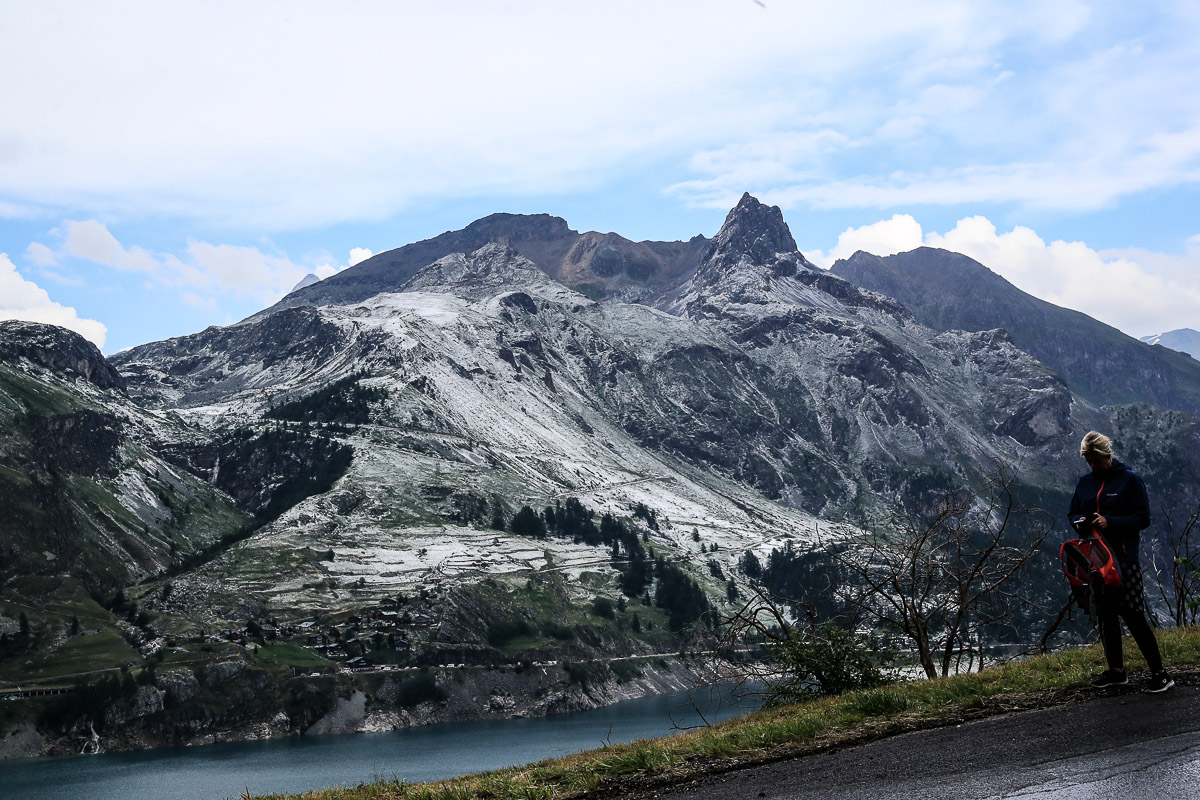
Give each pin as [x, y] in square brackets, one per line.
[1095, 531]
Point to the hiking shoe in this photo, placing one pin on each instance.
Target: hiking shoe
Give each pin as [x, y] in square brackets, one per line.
[1159, 682]
[1112, 677]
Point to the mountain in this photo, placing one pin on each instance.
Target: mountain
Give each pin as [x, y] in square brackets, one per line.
[743, 397]
[949, 291]
[490, 380]
[756, 367]
[1185, 340]
[84, 488]
[596, 264]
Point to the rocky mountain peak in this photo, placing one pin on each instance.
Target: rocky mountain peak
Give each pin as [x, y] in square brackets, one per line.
[753, 261]
[57, 349]
[754, 231]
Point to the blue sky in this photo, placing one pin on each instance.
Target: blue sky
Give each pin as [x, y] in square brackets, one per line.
[169, 166]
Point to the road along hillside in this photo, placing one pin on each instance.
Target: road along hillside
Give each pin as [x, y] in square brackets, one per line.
[1107, 748]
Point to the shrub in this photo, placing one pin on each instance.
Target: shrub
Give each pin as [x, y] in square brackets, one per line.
[420, 688]
[626, 670]
[603, 607]
[831, 659]
[503, 631]
[558, 631]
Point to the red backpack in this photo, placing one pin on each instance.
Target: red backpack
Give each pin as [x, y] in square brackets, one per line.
[1089, 566]
[1091, 569]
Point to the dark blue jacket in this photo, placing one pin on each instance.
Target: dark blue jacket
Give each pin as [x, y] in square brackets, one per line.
[1123, 503]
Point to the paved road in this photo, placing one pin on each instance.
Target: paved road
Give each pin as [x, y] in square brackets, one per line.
[1125, 747]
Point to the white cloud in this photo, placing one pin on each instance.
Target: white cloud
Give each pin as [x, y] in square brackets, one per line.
[41, 255]
[1064, 123]
[1138, 291]
[899, 234]
[359, 255]
[92, 241]
[231, 119]
[1131, 293]
[242, 270]
[24, 299]
[202, 274]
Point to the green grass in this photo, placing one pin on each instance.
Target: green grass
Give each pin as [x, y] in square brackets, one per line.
[784, 731]
[58, 600]
[100, 497]
[37, 397]
[286, 654]
[78, 656]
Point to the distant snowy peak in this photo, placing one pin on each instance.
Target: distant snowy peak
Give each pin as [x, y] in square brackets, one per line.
[1185, 340]
[307, 280]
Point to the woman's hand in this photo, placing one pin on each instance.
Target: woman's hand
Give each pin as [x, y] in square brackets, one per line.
[1099, 521]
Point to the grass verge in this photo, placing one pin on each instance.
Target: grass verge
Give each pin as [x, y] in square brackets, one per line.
[788, 731]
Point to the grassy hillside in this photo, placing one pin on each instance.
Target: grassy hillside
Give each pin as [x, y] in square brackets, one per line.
[81, 493]
[793, 730]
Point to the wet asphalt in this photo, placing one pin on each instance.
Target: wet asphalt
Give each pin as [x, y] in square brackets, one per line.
[1125, 746]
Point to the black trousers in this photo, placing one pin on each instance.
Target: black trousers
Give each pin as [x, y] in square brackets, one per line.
[1132, 609]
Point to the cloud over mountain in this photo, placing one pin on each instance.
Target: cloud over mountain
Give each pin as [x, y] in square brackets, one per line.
[24, 299]
[1138, 291]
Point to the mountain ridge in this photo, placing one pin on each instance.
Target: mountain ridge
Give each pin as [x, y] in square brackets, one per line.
[950, 291]
[599, 263]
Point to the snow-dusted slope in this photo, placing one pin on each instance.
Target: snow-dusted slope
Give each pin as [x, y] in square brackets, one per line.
[499, 382]
[879, 400]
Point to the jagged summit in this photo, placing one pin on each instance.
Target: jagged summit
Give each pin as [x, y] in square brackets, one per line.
[753, 238]
[752, 230]
[753, 262]
[57, 349]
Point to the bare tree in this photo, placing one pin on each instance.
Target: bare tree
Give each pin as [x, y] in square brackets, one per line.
[779, 649]
[944, 576]
[1179, 578]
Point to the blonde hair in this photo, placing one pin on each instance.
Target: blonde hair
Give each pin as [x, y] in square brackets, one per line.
[1095, 442]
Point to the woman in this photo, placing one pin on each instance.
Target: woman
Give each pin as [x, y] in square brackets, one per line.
[1111, 500]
